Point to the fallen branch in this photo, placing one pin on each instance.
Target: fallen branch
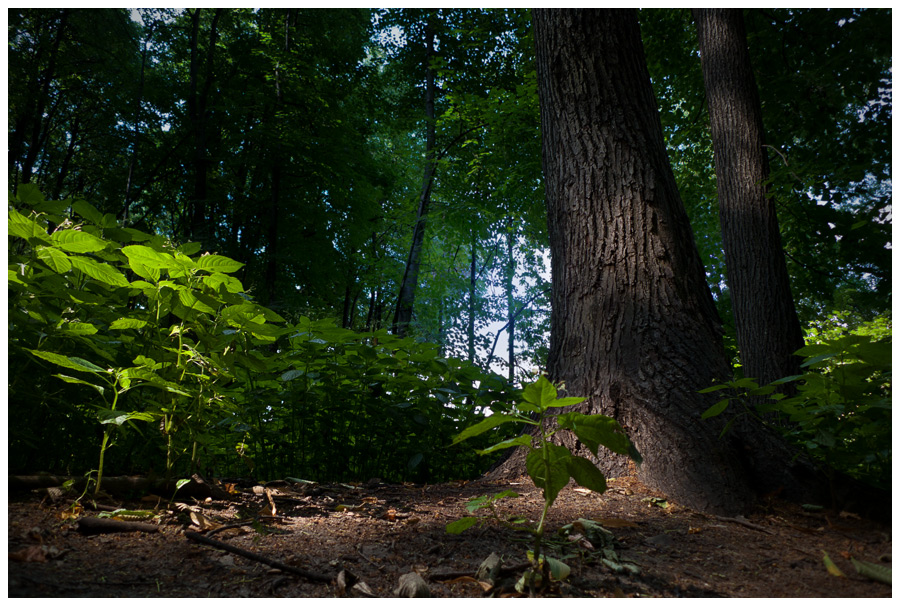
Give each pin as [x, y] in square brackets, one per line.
[744, 522]
[450, 575]
[311, 576]
[105, 525]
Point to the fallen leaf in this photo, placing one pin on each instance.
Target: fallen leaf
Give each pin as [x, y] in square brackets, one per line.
[34, 553]
[873, 571]
[202, 521]
[412, 585]
[830, 566]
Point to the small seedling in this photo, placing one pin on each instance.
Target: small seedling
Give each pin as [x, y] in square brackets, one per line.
[550, 465]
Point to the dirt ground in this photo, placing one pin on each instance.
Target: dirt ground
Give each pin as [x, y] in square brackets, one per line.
[376, 533]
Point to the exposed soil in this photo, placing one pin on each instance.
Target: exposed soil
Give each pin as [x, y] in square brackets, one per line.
[379, 532]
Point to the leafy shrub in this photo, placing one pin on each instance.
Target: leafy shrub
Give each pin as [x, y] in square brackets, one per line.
[841, 411]
[122, 339]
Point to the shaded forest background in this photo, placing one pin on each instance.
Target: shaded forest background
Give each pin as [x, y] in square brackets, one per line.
[304, 148]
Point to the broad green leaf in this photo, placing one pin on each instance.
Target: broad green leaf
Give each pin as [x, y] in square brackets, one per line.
[78, 328]
[597, 430]
[191, 301]
[117, 417]
[461, 525]
[78, 241]
[716, 409]
[292, 374]
[99, 271]
[29, 193]
[715, 388]
[877, 353]
[71, 363]
[486, 425]
[548, 467]
[540, 393]
[23, 227]
[218, 263]
[89, 212]
[148, 256]
[146, 262]
[217, 281]
[586, 474]
[137, 235]
[560, 402]
[190, 248]
[55, 259]
[125, 323]
[69, 379]
[559, 570]
[523, 440]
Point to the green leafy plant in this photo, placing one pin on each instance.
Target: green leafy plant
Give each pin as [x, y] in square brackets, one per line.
[840, 412]
[128, 340]
[488, 502]
[550, 465]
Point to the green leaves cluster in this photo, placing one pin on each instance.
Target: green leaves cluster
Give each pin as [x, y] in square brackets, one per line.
[839, 410]
[549, 465]
[124, 338]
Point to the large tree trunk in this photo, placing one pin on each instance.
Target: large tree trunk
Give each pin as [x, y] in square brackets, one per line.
[768, 331]
[633, 324]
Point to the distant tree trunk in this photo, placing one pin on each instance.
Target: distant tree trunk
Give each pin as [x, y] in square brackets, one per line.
[633, 325]
[511, 300]
[406, 300]
[768, 331]
[473, 282]
[198, 112]
[30, 124]
[136, 120]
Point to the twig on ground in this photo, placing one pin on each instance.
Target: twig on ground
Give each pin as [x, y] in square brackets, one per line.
[744, 522]
[306, 574]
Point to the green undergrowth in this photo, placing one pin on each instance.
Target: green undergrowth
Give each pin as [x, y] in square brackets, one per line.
[129, 353]
[838, 410]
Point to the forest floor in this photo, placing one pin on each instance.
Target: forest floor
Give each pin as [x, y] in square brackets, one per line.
[377, 532]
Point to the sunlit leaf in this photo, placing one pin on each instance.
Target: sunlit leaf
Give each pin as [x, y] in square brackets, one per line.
[78, 241]
[218, 263]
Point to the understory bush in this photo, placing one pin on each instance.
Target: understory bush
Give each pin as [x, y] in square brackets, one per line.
[839, 409]
[130, 353]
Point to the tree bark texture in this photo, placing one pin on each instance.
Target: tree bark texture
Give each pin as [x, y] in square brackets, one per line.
[633, 324]
[768, 330]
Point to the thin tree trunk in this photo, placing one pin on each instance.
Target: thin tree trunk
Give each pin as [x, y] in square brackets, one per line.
[198, 103]
[406, 301]
[768, 331]
[35, 121]
[470, 321]
[511, 300]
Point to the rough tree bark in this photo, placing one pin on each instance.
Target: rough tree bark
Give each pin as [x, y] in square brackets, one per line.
[633, 324]
[768, 330]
